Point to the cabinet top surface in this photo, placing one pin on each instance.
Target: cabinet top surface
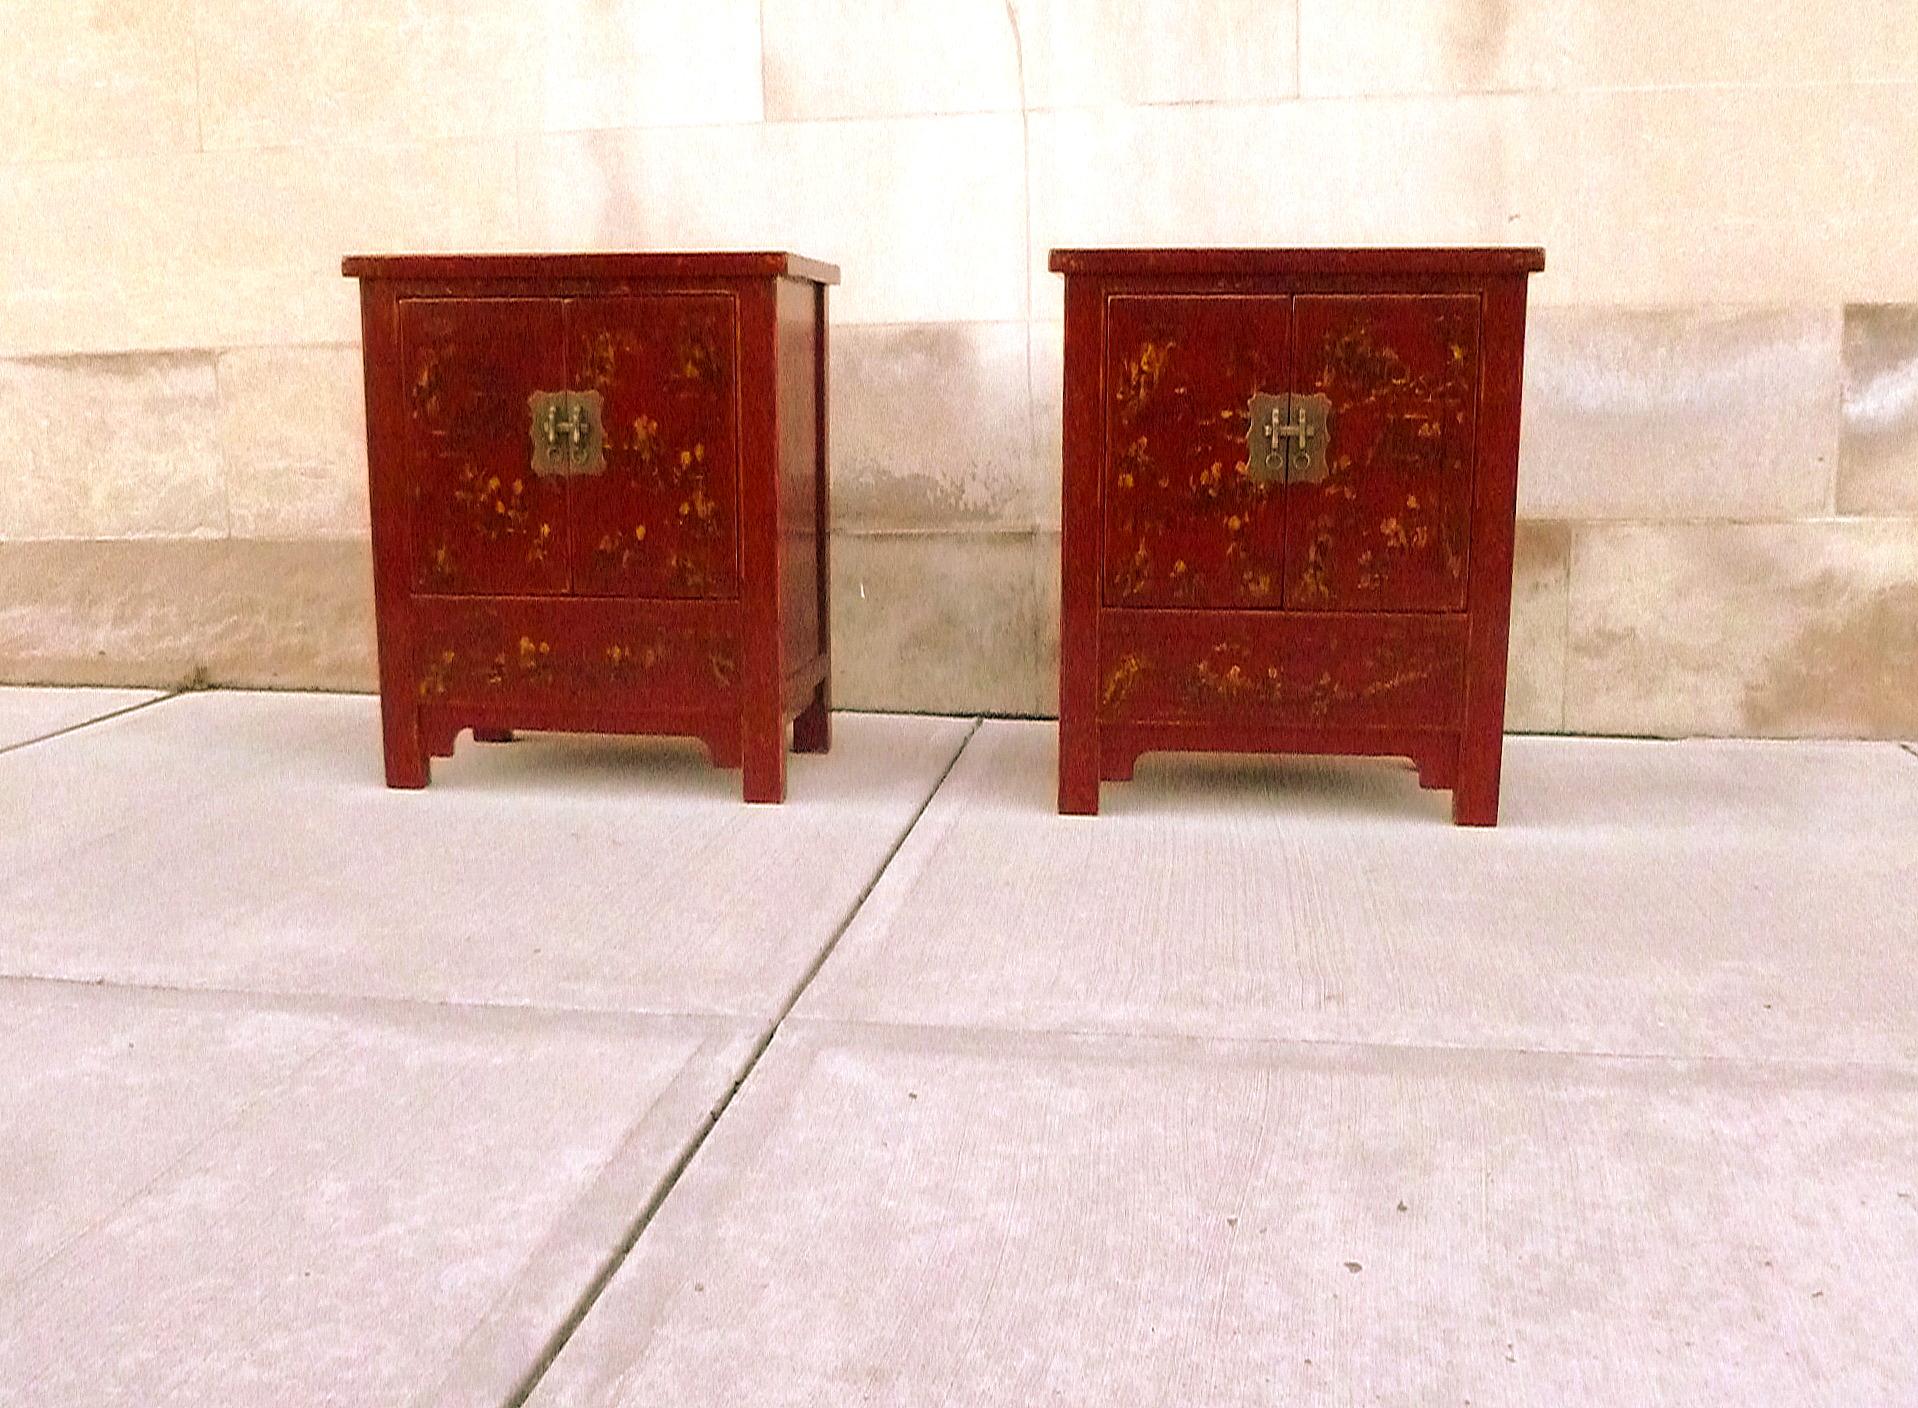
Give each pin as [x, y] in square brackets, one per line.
[1441, 260]
[627, 265]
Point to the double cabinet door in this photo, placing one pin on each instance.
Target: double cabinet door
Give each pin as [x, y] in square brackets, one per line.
[1280, 452]
[573, 446]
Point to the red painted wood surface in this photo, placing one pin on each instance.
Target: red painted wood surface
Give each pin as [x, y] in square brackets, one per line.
[1368, 613]
[603, 269]
[662, 519]
[812, 725]
[1415, 263]
[1390, 528]
[1083, 457]
[652, 597]
[479, 519]
[1299, 669]
[1185, 523]
[489, 652]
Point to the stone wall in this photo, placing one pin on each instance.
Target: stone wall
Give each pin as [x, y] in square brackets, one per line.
[1720, 478]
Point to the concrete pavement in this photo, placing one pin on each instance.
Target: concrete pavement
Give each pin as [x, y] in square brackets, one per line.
[1266, 1086]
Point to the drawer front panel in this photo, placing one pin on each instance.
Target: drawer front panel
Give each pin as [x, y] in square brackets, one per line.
[1185, 524]
[662, 518]
[614, 655]
[479, 519]
[1389, 528]
[1287, 669]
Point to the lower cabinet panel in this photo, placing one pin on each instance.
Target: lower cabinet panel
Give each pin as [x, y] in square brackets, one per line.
[577, 656]
[1282, 669]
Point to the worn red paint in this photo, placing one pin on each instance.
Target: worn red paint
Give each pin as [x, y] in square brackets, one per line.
[1367, 613]
[683, 589]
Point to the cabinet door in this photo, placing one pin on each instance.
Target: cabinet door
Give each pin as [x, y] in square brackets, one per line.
[662, 518]
[480, 520]
[1389, 527]
[1185, 524]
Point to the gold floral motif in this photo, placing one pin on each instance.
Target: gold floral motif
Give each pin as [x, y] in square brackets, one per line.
[617, 552]
[695, 359]
[535, 660]
[1224, 672]
[433, 677]
[599, 358]
[645, 439]
[495, 509]
[698, 508]
[1397, 681]
[1313, 582]
[427, 387]
[626, 662]
[1232, 673]
[1119, 682]
[1133, 578]
[1413, 409]
[1141, 377]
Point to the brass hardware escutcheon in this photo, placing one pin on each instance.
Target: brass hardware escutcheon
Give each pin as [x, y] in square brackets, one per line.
[1264, 456]
[568, 434]
[1287, 436]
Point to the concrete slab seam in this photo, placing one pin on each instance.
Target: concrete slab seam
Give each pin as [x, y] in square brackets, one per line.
[913, 1034]
[384, 1006]
[89, 723]
[480, 1364]
[614, 1262]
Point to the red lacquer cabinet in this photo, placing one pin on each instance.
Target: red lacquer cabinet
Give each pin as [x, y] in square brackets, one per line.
[1288, 513]
[599, 500]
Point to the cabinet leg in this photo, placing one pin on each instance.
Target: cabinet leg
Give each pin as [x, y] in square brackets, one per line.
[812, 730]
[763, 736]
[1438, 769]
[492, 735]
[1116, 764]
[407, 764]
[1475, 798]
[1078, 770]
[725, 747]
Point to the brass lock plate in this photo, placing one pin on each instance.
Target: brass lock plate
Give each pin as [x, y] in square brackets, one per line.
[567, 432]
[1287, 437]
[1313, 415]
[1264, 446]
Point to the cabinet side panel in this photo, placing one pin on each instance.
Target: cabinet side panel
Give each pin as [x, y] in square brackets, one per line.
[1481, 746]
[800, 472]
[386, 494]
[1079, 546]
[762, 547]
